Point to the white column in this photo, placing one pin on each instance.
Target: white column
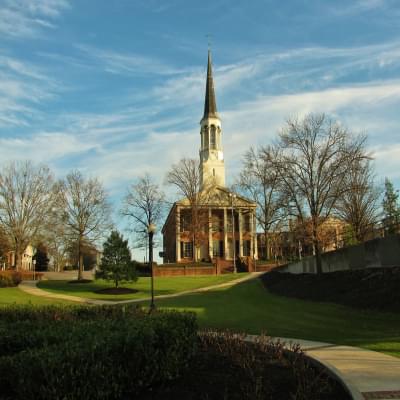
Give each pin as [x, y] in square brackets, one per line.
[210, 241]
[251, 220]
[240, 233]
[226, 250]
[255, 236]
[178, 234]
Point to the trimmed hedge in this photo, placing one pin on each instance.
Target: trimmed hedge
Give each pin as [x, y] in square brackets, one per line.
[97, 352]
[10, 278]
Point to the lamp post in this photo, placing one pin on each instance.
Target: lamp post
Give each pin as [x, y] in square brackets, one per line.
[233, 196]
[150, 230]
[34, 268]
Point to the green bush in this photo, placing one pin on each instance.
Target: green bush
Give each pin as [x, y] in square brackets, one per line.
[10, 278]
[98, 352]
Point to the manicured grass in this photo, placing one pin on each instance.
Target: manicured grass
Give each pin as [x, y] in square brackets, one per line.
[162, 285]
[248, 307]
[13, 295]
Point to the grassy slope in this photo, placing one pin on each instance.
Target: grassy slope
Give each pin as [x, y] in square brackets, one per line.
[14, 295]
[162, 285]
[250, 308]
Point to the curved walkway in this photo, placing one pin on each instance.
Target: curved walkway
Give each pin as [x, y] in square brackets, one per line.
[31, 288]
[368, 375]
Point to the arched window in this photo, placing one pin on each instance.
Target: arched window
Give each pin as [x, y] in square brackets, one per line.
[213, 137]
[205, 137]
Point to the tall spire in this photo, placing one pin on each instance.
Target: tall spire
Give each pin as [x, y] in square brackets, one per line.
[210, 106]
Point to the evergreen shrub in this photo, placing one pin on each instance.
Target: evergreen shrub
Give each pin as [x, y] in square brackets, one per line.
[90, 352]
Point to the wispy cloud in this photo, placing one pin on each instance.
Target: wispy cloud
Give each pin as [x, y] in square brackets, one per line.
[128, 63]
[27, 18]
[23, 87]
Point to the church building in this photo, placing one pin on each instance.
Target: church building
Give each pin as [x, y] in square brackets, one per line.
[223, 226]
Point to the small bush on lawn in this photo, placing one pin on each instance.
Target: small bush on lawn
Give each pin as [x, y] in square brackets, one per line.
[90, 353]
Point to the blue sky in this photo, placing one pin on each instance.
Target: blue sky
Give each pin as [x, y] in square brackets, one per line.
[116, 88]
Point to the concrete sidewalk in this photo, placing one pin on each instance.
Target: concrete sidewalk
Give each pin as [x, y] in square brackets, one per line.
[369, 375]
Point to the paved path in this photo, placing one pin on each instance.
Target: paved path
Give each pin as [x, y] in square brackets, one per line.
[368, 375]
[31, 288]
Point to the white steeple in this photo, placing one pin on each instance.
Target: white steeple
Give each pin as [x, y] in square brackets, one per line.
[211, 154]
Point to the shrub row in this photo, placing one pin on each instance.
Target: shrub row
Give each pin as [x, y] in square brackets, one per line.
[98, 352]
[10, 278]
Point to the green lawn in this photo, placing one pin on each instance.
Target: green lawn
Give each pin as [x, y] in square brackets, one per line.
[162, 285]
[248, 307]
[13, 295]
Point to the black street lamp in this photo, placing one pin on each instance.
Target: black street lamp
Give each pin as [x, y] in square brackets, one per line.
[150, 230]
[233, 197]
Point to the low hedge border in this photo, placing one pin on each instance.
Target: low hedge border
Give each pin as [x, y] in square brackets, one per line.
[11, 278]
[98, 352]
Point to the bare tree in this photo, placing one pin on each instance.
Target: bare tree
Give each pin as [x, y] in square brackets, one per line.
[185, 176]
[5, 247]
[315, 157]
[85, 209]
[358, 206]
[57, 237]
[144, 205]
[25, 201]
[259, 180]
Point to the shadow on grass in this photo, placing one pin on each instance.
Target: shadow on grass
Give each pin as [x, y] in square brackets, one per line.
[248, 307]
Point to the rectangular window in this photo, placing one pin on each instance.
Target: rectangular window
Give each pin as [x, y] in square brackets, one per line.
[217, 224]
[187, 249]
[246, 248]
[185, 222]
[246, 223]
[218, 248]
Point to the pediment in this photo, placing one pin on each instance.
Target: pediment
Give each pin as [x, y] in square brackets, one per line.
[218, 196]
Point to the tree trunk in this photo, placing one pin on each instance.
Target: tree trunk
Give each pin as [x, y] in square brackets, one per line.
[316, 247]
[267, 255]
[18, 256]
[80, 260]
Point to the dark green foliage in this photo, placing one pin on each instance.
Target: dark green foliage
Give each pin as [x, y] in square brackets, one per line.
[391, 209]
[116, 262]
[226, 366]
[42, 261]
[90, 353]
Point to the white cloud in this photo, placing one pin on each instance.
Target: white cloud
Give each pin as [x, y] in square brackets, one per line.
[27, 18]
[43, 147]
[387, 161]
[128, 63]
[22, 88]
